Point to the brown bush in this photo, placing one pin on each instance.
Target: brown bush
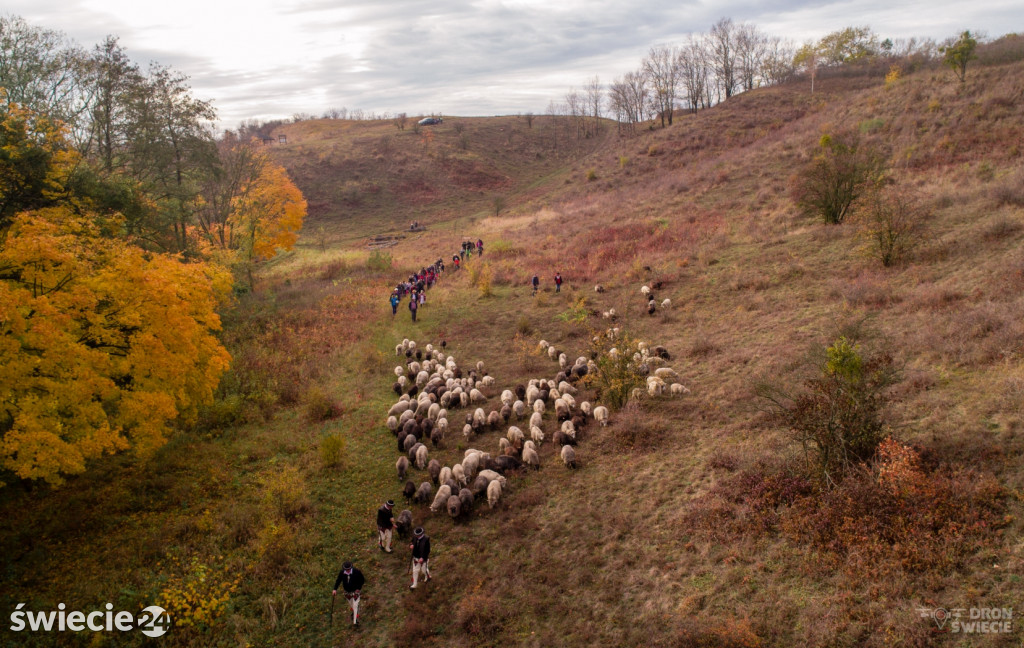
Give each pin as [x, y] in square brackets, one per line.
[481, 614]
[318, 406]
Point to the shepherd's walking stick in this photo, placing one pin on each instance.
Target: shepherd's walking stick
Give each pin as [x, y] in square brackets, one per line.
[334, 596]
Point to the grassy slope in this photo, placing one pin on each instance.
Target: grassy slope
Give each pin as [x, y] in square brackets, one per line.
[608, 553]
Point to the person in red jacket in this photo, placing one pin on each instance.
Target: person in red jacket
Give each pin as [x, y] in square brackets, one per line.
[558, 282]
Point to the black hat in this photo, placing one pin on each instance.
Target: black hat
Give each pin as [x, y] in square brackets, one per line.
[347, 565]
[390, 503]
[418, 532]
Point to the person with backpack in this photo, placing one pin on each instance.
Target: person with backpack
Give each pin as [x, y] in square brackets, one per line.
[558, 282]
[536, 284]
[480, 247]
[420, 556]
[395, 299]
[414, 304]
[352, 581]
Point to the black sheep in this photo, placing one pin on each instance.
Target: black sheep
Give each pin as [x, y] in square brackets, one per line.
[501, 463]
[520, 391]
[403, 523]
[397, 388]
[409, 490]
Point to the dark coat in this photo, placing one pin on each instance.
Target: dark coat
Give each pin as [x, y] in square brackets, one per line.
[421, 547]
[385, 518]
[351, 582]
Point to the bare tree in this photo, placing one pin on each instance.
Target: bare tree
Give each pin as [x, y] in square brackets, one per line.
[662, 69]
[751, 49]
[777, 66]
[595, 97]
[694, 72]
[529, 119]
[401, 119]
[722, 41]
[577, 110]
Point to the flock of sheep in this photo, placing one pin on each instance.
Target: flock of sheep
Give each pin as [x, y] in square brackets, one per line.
[431, 386]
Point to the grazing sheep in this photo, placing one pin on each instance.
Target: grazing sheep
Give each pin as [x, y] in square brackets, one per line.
[645, 290]
[437, 437]
[529, 444]
[423, 493]
[570, 401]
[466, 498]
[441, 499]
[454, 507]
[536, 419]
[561, 410]
[398, 408]
[666, 304]
[493, 493]
[601, 414]
[403, 523]
[505, 462]
[515, 436]
[507, 397]
[569, 429]
[401, 466]
[476, 396]
[488, 381]
[531, 458]
[408, 444]
[479, 418]
[433, 411]
[402, 436]
[599, 288]
[494, 420]
[565, 388]
[470, 465]
[569, 456]
[655, 386]
[445, 475]
[561, 438]
[434, 468]
[662, 353]
[519, 409]
[459, 474]
[538, 406]
[666, 373]
[409, 490]
[532, 394]
[506, 413]
[479, 485]
[651, 307]
[393, 424]
[563, 360]
[418, 452]
[536, 434]
[553, 353]
[678, 390]
[586, 408]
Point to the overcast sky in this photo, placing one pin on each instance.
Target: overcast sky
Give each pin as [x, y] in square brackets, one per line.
[267, 59]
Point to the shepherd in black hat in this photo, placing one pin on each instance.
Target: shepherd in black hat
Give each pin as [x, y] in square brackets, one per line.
[420, 556]
[385, 525]
[351, 579]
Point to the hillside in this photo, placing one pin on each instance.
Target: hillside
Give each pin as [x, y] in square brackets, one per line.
[690, 521]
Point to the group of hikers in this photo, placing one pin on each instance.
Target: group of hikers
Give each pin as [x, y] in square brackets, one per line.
[418, 283]
[558, 283]
[351, 580]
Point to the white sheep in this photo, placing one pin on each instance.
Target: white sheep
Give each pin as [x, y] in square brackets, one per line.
[422, 456]
[601, 414]
[392, 423]
[470, 465]
[493, 493]
[441, 499]
[476, 396]
[479, 417]
[536, 419]
[459, 474]
[561, 409]
[569, 401]
[563, 360]
[398, 408]
[543, 344]
[401, 466]
[515, 436]
[666, 304]
[488, 381]
[666, 373]
[503, 445]
[532, 394]
[433, 411]
[565, 388]
[446, 474]
[552, 353]
[655, 386]
[538, 406]
[507, 397]
[399, 371]
[645, 290]
[536, 434]
[531, 458]
[568, 456]
[529, 444]
[441, 425]
[678, 390]
[599, 288]
[519, 409]
[569, 430]
[586, 408]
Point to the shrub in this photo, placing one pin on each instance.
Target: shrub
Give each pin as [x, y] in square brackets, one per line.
[318, 406]
[591, 175]
[332, 450]
[484, 280]
[379, 261]
[523, 326]
[837, 414]
[576, 313]
[616, 375]
[284, 494]
[842, 171]
[893, 226]
[623, 161]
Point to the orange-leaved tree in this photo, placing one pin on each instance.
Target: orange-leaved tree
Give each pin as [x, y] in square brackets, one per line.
[251, 209]
[102, 344]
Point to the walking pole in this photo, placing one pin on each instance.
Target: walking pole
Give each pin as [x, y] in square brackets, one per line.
[333, 598]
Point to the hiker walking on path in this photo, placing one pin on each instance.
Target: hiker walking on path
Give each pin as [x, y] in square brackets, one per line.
[480, 247]
[420, 556]
[386, 520]
[536, 284]
[351, 579]
[414, 303]
[395, 299]
[558, 282]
